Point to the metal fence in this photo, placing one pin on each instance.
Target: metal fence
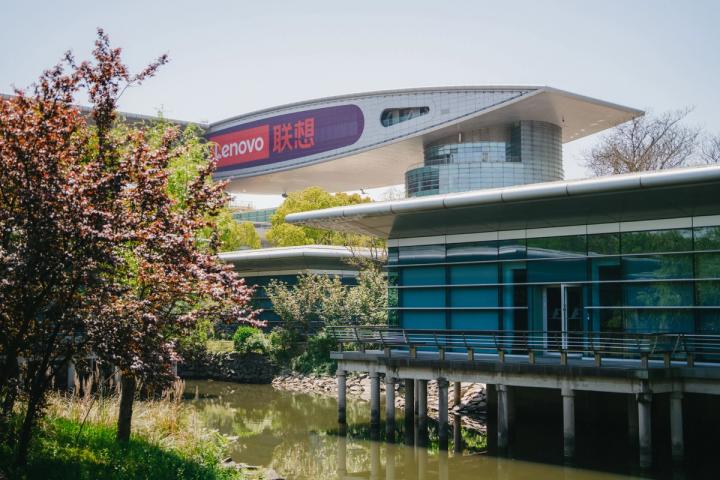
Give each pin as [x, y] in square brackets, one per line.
[598, 345]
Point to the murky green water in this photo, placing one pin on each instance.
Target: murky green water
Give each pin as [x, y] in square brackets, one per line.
[297, 435]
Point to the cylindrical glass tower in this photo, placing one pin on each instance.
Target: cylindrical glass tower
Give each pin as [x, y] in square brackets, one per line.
[523, 152]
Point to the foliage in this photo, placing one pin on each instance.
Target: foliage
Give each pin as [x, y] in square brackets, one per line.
[77, 440]
[316, 357]
[249, 339]
[283, 234]
[324, 300]
[282, 346]
[645, 143]
[98, 251]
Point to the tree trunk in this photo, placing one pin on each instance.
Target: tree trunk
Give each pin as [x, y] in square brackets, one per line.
[35, 401]
[127, 396]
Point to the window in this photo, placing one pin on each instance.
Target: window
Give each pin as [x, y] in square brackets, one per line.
[393, 116]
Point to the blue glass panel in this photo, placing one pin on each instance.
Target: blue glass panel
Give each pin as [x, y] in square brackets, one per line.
[423, 297]
[474, 297]
[393, 255]
[478, 320]
[472, 274]
[423, 319]
[423, 276]
[709, 322]
[509, 249]
[557, 271]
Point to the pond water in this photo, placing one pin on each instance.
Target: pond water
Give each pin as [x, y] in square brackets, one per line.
[297, 435]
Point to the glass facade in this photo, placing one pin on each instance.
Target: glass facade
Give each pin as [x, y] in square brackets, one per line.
[520, 153]
[637, 281]
[255, 216]
[393, 116]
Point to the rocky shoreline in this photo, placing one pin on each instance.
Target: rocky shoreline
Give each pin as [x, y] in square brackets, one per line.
[472, 408]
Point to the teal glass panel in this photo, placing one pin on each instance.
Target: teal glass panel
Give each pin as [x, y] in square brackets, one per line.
[474, 297]
[661, 294]
[707, 265]
[603, 244]
[555, 247]
[708, 293]
[477, 320]
[649, 267]
[423, 276]
[421, 254]
[423, 297]
[473, 274]
[557, 271]
[652, 321]
[676, 240]
[607, 320]
[423, 319]
[509, 249]
[707, 238]
[475, 251]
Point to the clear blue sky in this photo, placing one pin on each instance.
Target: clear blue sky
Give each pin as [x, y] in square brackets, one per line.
[233, 57]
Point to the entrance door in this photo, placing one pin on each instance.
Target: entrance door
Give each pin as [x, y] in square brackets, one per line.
[563, 315]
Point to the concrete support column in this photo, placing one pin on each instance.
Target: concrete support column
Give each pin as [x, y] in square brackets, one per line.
[409, 410]
[390, 408]
[341, 456]
[632, 414]
[457, 393]
[421, 400]
[374, 400]
[443, 413]
[502, 417]
[644, 404]
[71, 376]
[374, 460]
[457, 433]
[342, 395]
[676, 426]
[568, 400]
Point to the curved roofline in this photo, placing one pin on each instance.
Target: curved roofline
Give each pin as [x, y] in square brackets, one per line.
[374, 93]
[312, 251]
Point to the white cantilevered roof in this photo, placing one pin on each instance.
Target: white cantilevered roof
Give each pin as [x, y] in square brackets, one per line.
[298, 259]
[630, 197]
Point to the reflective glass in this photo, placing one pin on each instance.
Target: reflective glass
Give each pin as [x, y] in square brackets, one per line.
[647, 267]
[473, 274]
[677, 240]
[422, 254]
[707, 238]
[475, 251]
[509, 249]
[663, 294]
[603, 244]
[554, 247]
[557, 271]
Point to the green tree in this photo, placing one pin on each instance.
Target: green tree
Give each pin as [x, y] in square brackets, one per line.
[282, 234]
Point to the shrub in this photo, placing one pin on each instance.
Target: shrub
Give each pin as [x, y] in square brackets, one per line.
[249, 339]
[282, 346]
[316, 357]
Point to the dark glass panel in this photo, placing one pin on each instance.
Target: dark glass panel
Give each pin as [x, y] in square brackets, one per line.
[708, 293]
[393, 255]
[676, 240]
[709, 322]
[423, 297]
[422, 254]
[509, 249]
[554, 247]
[474, 297]
[707, 238]
[474, 320]
[669, 294]
[707, 265]
[604, 244]
[650, 267]
[393, 116]
[651, 321]
[475, 251]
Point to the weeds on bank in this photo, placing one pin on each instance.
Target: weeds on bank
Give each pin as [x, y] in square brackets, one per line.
[76, 440]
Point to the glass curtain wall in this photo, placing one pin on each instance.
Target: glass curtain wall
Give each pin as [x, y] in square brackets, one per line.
[648, 281]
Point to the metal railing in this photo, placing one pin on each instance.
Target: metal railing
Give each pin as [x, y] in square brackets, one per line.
[669, 347]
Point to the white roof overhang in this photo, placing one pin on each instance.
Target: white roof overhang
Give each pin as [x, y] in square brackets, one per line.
[619, 198]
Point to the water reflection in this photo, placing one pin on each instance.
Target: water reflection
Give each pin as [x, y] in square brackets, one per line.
[297, 435]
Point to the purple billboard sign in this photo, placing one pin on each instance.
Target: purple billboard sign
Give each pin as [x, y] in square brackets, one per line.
[285, 137]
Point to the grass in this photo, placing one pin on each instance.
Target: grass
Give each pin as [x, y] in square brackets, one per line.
[168, 442]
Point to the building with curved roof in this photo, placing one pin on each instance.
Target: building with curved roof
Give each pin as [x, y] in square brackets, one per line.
[436, 140]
